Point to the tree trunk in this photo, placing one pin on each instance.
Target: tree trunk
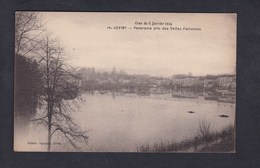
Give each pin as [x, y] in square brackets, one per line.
[49, 138]
[49, 125]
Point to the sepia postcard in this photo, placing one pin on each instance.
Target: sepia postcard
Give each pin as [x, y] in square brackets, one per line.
[125, 82]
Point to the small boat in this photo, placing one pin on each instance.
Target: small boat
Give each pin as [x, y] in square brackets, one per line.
[223, 115]
[191, 112]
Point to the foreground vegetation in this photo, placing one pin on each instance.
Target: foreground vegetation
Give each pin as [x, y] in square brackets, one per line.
[206, 140]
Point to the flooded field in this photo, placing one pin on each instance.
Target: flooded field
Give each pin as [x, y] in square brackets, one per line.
[122, 123]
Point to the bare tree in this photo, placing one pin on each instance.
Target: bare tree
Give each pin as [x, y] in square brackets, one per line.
[60, 94]
[59, 89]
[28, 28]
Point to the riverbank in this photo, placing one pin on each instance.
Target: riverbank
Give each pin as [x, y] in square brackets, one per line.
[205, 141]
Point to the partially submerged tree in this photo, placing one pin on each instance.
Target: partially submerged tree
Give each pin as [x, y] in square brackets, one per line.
[27, 82]
[28, 85]
[61, 89]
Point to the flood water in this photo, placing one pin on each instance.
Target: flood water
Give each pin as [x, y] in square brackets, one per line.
[121, 123]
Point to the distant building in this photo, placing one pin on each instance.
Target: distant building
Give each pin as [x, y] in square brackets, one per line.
[185, 80]
[227, 81]
[210, 81]
[124, 81]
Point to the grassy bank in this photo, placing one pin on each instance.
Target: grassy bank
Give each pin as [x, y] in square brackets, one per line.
[206, 140]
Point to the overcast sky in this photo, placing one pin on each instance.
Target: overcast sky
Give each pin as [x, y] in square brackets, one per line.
[163, 53]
